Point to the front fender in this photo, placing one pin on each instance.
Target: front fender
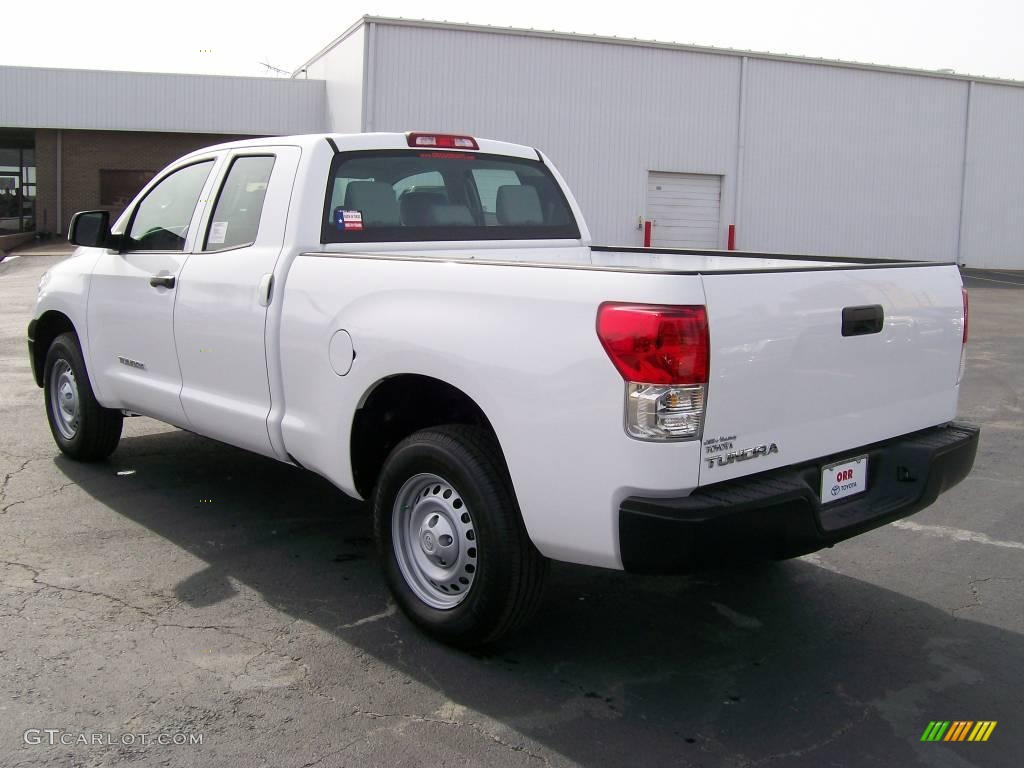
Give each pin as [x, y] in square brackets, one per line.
[64, 290]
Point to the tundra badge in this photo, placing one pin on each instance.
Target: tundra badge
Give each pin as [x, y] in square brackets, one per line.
[131, 363]
[749, 453]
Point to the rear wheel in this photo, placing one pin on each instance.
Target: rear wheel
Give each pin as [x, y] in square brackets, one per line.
[453, 546]
[82, 428]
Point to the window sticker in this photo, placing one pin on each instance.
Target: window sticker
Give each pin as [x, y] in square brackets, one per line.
[349, 220]
[218, 232]
[446, 156]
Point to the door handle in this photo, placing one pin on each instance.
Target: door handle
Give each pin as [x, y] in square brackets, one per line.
[266, 289]
[162, 281]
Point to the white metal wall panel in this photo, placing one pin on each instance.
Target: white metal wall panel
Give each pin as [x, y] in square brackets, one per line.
[993, 222]
[684, 209]
[342, 69]
[851, 162]
[605, 114]
[33, 97]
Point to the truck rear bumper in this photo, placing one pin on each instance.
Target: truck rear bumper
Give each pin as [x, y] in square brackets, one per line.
[779, 514]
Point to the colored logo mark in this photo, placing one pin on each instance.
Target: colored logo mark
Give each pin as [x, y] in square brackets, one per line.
[959, 730]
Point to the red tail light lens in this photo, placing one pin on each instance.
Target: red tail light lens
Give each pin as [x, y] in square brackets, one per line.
[964, 290]
[441, 141]
[655, 344]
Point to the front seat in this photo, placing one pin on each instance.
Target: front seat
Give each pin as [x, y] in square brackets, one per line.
[376, 201]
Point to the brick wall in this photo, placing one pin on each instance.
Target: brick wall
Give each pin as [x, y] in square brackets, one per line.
[85, 153]
[46, 181]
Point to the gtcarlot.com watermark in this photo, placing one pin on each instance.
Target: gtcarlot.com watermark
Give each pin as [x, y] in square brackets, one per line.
[58, 737]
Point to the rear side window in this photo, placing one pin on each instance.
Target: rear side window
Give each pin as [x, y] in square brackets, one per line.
[416, 195]
[236, 215]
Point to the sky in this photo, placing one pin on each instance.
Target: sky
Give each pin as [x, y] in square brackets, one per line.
[979, 37]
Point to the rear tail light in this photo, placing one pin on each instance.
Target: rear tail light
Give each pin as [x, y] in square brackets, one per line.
[663, 412]
[441, 141]
[662, 353]
[963, 344]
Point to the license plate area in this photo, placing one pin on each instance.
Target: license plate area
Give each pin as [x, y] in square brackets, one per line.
[843, 479]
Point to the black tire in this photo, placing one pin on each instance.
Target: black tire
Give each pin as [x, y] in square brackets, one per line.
[509, 577]
[98, 429]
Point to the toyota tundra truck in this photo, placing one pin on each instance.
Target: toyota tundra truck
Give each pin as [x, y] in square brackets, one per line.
[422, 319]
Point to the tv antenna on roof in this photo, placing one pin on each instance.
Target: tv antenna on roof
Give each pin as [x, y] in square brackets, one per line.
[276, 70]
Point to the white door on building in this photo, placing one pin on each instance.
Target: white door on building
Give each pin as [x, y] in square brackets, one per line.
[685, 209]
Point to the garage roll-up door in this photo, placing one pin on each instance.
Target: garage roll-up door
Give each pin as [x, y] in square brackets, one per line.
[685, 209]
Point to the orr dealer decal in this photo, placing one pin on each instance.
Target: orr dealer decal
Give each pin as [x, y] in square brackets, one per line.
[719, 452]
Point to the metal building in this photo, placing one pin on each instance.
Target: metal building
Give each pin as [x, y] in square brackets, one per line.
[794, 154]
[783, 153]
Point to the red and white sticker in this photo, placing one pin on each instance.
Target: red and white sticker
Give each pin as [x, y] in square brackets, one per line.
[844, 478]
[352, 219]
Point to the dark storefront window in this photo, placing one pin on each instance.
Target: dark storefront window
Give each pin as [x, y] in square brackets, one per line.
[118, 188]
[17, 185]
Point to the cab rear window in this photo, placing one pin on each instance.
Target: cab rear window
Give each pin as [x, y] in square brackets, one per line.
[431, 195]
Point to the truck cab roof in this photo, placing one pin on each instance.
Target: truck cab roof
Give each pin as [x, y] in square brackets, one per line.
[352, 142]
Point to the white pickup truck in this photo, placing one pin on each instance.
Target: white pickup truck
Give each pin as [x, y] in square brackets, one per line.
[421, 319]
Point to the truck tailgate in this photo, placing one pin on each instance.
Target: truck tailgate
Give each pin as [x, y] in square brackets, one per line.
[786, 386]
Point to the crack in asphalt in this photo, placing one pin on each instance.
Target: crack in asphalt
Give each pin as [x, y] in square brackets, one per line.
[10, 475]
[259, 646]
[148, 614]
[975, 594]
[64, 588]
[268, 646]
[45, 494]
[837, 733]
[323, 757]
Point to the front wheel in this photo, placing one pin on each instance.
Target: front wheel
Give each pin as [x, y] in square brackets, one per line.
[453, 546]
[82, 428]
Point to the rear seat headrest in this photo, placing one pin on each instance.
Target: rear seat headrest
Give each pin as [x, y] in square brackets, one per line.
[375, 200]
[518, 205]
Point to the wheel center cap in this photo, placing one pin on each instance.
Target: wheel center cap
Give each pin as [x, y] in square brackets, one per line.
[428, 541]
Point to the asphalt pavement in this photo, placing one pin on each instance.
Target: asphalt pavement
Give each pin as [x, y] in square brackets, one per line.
[187, 588]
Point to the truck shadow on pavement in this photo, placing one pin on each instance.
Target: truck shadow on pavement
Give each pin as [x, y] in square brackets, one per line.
[791, 661]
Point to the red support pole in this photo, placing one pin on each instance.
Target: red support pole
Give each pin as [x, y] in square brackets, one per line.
[732, 237]
[647, 234]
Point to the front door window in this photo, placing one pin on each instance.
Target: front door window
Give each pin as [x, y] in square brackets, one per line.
[162, 219]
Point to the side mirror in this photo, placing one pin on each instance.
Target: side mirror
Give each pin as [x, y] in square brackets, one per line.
[91, 229]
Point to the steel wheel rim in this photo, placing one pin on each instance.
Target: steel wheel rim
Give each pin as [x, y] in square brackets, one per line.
[65, 404]
[434, 541]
